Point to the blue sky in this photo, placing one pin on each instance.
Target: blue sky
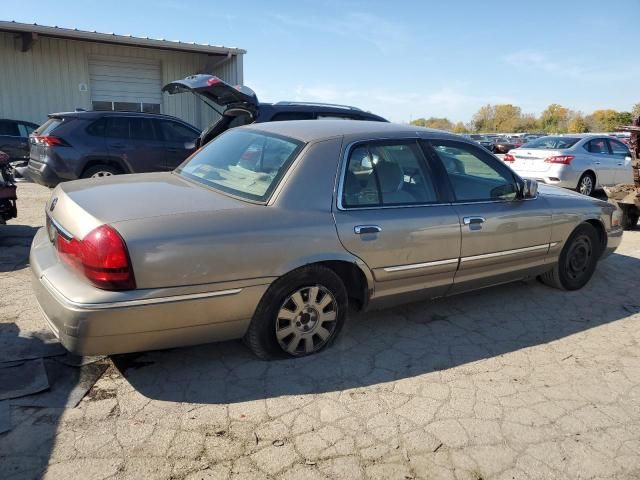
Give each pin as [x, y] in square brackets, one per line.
[402, 60]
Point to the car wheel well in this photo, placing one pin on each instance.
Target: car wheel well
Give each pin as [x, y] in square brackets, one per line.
[592, 174]
[103, 161]
[354, 281]
[602, 233]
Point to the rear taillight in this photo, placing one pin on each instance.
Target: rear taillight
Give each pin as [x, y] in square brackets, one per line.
[102, 256]
[562, 159]
[51, 141]
[508, 158]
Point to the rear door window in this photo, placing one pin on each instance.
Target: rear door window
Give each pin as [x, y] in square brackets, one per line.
[9, 128]
[176, 132]
[117, 127]
[25, 129]
[598, 146]
[141, 129]
[387, 174]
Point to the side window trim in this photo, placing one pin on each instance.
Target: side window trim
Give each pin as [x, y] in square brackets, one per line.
[492, 162]
[426, 164]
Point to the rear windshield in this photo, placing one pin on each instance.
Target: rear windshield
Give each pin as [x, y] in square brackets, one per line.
[48, 126]
[243, 163]
[552, 143]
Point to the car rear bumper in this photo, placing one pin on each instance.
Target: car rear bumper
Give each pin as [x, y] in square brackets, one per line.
[561, 177]
[133, 321]
[41, 173]
[614, 238]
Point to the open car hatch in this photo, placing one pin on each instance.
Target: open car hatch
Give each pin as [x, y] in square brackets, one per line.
[213, 89]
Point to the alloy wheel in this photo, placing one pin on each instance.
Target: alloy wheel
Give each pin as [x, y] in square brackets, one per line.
[101, 173]
[306, 320]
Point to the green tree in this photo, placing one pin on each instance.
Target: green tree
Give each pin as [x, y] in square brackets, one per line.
[484, 120]
[434, 122]
[635, 110]
[606, 120]
[624, 118]
[507, 117]
[577, 124]
[460, 127]
[527, 123]
[555, 119]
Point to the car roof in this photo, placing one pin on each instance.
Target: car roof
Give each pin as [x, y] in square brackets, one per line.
[110, 113]
[314, 130]
[321, 108]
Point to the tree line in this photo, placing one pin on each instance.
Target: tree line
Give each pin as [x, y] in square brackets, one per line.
[554, 119]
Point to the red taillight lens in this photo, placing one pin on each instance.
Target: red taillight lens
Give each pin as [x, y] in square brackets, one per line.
[213, 81]
[102, 256]
[562, 159]
[51, 141]
[508, 158]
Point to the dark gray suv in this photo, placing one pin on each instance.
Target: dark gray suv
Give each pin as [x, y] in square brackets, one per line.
[76, 145]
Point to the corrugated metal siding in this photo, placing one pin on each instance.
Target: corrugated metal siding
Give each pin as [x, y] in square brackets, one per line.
[47, 78]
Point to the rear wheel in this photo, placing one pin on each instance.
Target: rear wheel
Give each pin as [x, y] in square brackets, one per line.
[99, 171]
[587, 184]
[577, 260]
[300, 314]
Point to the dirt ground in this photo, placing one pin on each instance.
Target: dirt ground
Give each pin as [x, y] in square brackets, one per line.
[513, 382]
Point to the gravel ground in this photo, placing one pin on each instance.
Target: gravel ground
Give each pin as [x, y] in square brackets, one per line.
[517, 381]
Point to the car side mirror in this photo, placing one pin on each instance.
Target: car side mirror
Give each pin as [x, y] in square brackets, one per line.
[529, 188]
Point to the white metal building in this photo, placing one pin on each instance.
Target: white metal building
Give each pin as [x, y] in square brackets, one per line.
[51, 69]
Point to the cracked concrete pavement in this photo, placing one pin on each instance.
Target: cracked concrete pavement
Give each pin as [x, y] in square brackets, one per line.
[514, 382]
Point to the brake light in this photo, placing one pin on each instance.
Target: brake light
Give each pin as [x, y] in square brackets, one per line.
[51, 141]
[213, 81]
[508, 158]
[562, 159]
[102, 256]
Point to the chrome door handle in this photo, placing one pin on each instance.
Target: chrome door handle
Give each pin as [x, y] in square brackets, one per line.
[364, 229]
[473, 220]
[597, 163]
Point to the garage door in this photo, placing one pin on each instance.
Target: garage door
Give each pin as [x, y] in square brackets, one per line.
[119, 83]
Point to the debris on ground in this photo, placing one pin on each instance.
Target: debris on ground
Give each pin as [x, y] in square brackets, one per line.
[23, 378]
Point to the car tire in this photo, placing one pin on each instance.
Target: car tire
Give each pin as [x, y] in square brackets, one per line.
[629, 217]
[587, 184]
[577, 260]
[99, 171]
[294, 317]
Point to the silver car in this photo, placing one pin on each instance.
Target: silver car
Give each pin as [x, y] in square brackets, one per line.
[271, 231]
[584, 163]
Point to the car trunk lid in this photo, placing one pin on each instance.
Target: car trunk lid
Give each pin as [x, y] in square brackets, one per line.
[80, 206]
[532, 160]
[213, 89]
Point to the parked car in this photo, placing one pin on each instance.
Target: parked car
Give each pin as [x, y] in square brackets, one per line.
[239, 105]
[8, 191]
[270, 231]
[82, 144]
[14, 140]
[584, 163]
[502, 145]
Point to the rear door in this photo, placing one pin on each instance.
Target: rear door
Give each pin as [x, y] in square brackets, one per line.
[503, 236]
[11, 142]
[391, 214]
[602, 161]
[133, 140]
[179, 141]
[622, 156]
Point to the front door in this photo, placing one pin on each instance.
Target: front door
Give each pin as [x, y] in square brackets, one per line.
[622, 156]
[503, 236]
[179, 142]
[602, 162]
[392, 216]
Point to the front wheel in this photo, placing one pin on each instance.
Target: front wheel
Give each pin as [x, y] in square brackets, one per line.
[577, 260]
[300, 314]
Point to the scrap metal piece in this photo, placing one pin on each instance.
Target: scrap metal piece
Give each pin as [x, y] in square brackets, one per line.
[69, 385]
[23, 379]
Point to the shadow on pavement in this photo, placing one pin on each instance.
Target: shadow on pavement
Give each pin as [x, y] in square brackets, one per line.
[390, 345]
[15, 241]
